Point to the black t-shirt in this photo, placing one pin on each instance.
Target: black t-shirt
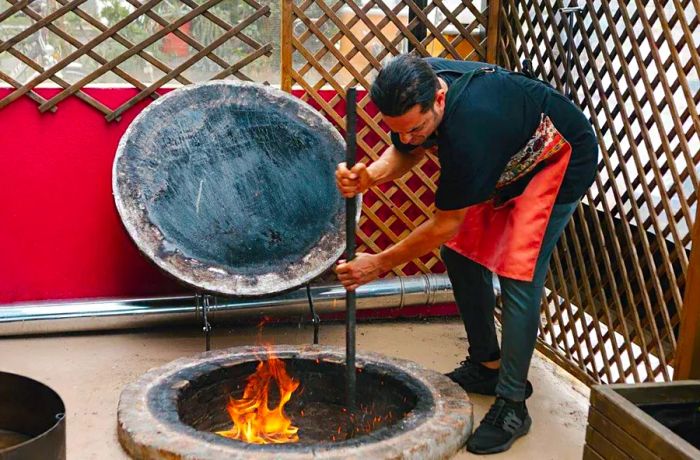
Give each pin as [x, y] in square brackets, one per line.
[492, 120]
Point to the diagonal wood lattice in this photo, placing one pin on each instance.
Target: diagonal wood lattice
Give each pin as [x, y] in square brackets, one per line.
[138, 15]
[330, 46]
[617, 278]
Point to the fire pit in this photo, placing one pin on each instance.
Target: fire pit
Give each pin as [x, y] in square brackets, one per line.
[403, 410]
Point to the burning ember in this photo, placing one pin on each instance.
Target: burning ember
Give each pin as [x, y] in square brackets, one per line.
[253, 421]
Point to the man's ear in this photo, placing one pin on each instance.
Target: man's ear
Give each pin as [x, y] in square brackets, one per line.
[440, 96]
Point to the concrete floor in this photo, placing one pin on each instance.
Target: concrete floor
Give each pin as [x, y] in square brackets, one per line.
[90, 370]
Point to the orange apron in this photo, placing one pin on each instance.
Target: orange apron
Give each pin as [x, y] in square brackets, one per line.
[506, 237]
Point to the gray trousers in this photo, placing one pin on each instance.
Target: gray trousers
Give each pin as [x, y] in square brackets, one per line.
[473, 290]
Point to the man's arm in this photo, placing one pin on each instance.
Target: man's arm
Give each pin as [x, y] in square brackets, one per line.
[391, 165]
[394, 164]
[441, 227]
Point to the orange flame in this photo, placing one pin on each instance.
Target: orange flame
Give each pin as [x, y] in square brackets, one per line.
[253, 421]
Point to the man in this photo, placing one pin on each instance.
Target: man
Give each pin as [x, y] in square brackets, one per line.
[516, 157]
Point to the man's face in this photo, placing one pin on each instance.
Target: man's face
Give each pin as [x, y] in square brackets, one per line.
[414, 127]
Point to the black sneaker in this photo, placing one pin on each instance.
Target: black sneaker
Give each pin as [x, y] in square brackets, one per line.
[505, 422]
[474, 377]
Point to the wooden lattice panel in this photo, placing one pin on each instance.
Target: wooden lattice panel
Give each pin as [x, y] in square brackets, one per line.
[617, 277]
[333, 46]
[99, 32]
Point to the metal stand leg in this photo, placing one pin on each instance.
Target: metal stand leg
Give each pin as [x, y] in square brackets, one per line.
[569, 13]
[314, 317]
[203, 301]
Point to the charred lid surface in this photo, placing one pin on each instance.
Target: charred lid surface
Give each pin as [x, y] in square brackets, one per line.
[229, 186]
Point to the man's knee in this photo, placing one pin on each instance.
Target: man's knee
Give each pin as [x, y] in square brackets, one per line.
[521, 295]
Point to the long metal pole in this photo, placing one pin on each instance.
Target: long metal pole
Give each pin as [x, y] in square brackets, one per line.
[350, 211]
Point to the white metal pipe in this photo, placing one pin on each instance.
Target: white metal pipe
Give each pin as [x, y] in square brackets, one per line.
[93, 315]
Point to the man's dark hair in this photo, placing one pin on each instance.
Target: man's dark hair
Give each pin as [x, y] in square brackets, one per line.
[406, 80]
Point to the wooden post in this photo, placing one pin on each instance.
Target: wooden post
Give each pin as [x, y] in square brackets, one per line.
[286, 47]
[687, 363]
[492, 31]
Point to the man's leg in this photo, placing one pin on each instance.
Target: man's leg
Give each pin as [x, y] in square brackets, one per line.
[520, 317]
[508, 418]
[473, 290]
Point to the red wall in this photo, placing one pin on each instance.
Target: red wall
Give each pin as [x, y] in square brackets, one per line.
[61, 236]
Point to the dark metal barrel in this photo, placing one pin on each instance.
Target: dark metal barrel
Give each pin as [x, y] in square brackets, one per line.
[32, 420]
[230, 187]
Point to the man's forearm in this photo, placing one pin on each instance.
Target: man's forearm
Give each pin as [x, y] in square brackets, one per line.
[427, 236]
[392, 165]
